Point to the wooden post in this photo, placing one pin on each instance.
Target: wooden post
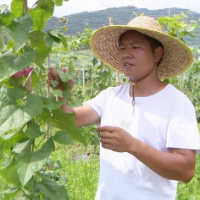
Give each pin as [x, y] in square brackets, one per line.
[28, 82]
[92, 80]
[48, 94]
[116, 73]
[84, 80]
[25, 6]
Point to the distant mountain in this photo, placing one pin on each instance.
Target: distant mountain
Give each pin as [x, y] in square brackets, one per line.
[76, 22]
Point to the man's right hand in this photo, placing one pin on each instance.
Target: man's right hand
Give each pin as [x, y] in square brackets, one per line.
[85, 115]
[53, 76]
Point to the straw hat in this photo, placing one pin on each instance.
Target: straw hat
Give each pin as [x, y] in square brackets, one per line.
[177, 56]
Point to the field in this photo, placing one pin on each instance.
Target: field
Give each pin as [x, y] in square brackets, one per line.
[37, 153]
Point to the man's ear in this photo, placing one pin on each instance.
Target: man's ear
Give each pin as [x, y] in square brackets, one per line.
[158, 54]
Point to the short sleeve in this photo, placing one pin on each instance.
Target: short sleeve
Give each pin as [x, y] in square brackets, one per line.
[98, 102]
[183, 127]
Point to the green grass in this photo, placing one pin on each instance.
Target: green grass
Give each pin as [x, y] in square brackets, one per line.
[191, 190]
[82, 171]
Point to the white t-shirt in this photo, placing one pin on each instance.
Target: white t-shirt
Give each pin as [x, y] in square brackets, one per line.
[165, 119]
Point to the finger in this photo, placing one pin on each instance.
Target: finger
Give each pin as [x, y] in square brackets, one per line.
[106, 141]
[105, 134]
[53, 73]
[107, 146]
[48, 82]
[49, 76]
[106, 128]
[65, 70]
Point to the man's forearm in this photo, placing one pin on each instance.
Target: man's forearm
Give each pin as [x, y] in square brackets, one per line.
[172, 166]
[64, 106]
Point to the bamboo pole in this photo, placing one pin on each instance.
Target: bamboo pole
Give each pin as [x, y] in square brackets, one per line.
[48, 94]
[116, 73]
[28, 82]
[84, 80]
[92, 80]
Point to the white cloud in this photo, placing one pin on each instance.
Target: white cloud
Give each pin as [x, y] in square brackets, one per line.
[76, 6]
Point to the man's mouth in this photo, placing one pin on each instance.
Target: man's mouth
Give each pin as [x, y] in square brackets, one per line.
[126, 64]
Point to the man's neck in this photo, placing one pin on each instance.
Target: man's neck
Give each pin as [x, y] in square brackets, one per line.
[147, 87]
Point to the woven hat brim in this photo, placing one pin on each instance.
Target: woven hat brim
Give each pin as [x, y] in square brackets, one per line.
[177, 56]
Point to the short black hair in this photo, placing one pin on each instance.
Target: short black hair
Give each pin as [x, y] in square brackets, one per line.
[153, 42]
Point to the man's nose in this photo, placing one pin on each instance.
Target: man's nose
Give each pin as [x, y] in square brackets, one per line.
[127, 53]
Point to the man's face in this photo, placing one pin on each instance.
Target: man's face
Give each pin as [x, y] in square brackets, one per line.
[136, 56]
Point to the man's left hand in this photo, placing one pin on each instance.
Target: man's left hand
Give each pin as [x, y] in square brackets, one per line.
[115, 138]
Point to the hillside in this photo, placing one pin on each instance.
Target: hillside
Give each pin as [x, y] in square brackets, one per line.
[122, 15]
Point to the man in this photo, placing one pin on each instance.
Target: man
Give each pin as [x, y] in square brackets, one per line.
[148, 129]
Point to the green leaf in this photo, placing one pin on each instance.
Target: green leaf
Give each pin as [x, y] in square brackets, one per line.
[53, 190]
[54, 83]
[36, 38]
[42, 13]
[10, 45]
[33, 106]
[64, 28]
[10, 64]
[18, 34]
[95, 61]
[9, 173]
[1, 44]
[41, 43]
[53, 34]
[63, 40]
[47, 6]
[10, 193]
[9, 141]
[38, 16]
[17, 7]
[45, 115]
[52, 104]
[29, 163]
[7, 18]
[57, 164]
[12, 95]
[25, 59]
[22, 146]
[67, 122]
[58, 92]
[58, 2]
[63, 138]
[34, 131]
[25, 21]
[63, 76]
[12, 117]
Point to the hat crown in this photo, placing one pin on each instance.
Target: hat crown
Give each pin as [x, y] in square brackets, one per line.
[146, 23]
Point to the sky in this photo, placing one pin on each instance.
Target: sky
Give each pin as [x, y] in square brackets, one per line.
[77, 6]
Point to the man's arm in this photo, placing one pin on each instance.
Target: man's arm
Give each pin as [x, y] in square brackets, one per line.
[85, 115]
[178, 164]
